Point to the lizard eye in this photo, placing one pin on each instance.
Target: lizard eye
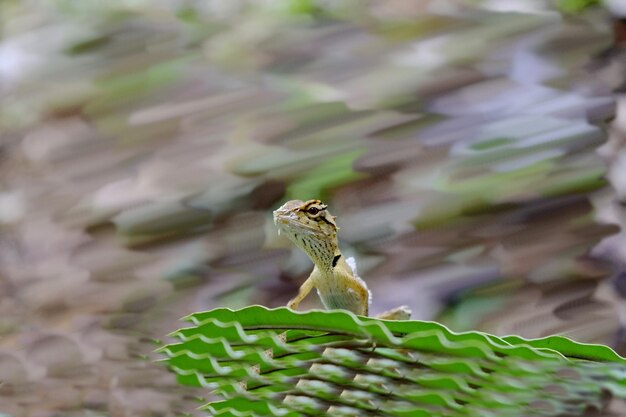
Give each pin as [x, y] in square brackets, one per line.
[313, 210]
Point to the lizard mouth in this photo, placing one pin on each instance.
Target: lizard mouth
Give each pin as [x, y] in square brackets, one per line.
[289, 223]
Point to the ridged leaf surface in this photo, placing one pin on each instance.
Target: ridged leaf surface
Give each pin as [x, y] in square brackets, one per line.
[277, 362]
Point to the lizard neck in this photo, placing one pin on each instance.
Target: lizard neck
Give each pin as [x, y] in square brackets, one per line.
[337, 266]
[328, 263]
[331, 264]
[325, 254]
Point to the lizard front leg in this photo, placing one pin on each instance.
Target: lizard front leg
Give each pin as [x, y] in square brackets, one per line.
[304, 290]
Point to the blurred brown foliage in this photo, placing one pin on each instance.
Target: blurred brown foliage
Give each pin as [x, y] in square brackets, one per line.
[144, 144]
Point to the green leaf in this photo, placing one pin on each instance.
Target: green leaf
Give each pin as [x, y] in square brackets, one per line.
[322, 363]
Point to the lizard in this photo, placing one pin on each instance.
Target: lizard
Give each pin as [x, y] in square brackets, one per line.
[311, 227]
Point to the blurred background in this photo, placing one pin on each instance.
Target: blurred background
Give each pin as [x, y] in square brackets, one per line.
[472, 151]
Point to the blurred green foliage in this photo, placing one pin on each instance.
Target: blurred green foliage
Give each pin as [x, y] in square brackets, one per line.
[577, 6]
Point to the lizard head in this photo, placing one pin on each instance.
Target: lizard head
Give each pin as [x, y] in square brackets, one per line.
[310, 226]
